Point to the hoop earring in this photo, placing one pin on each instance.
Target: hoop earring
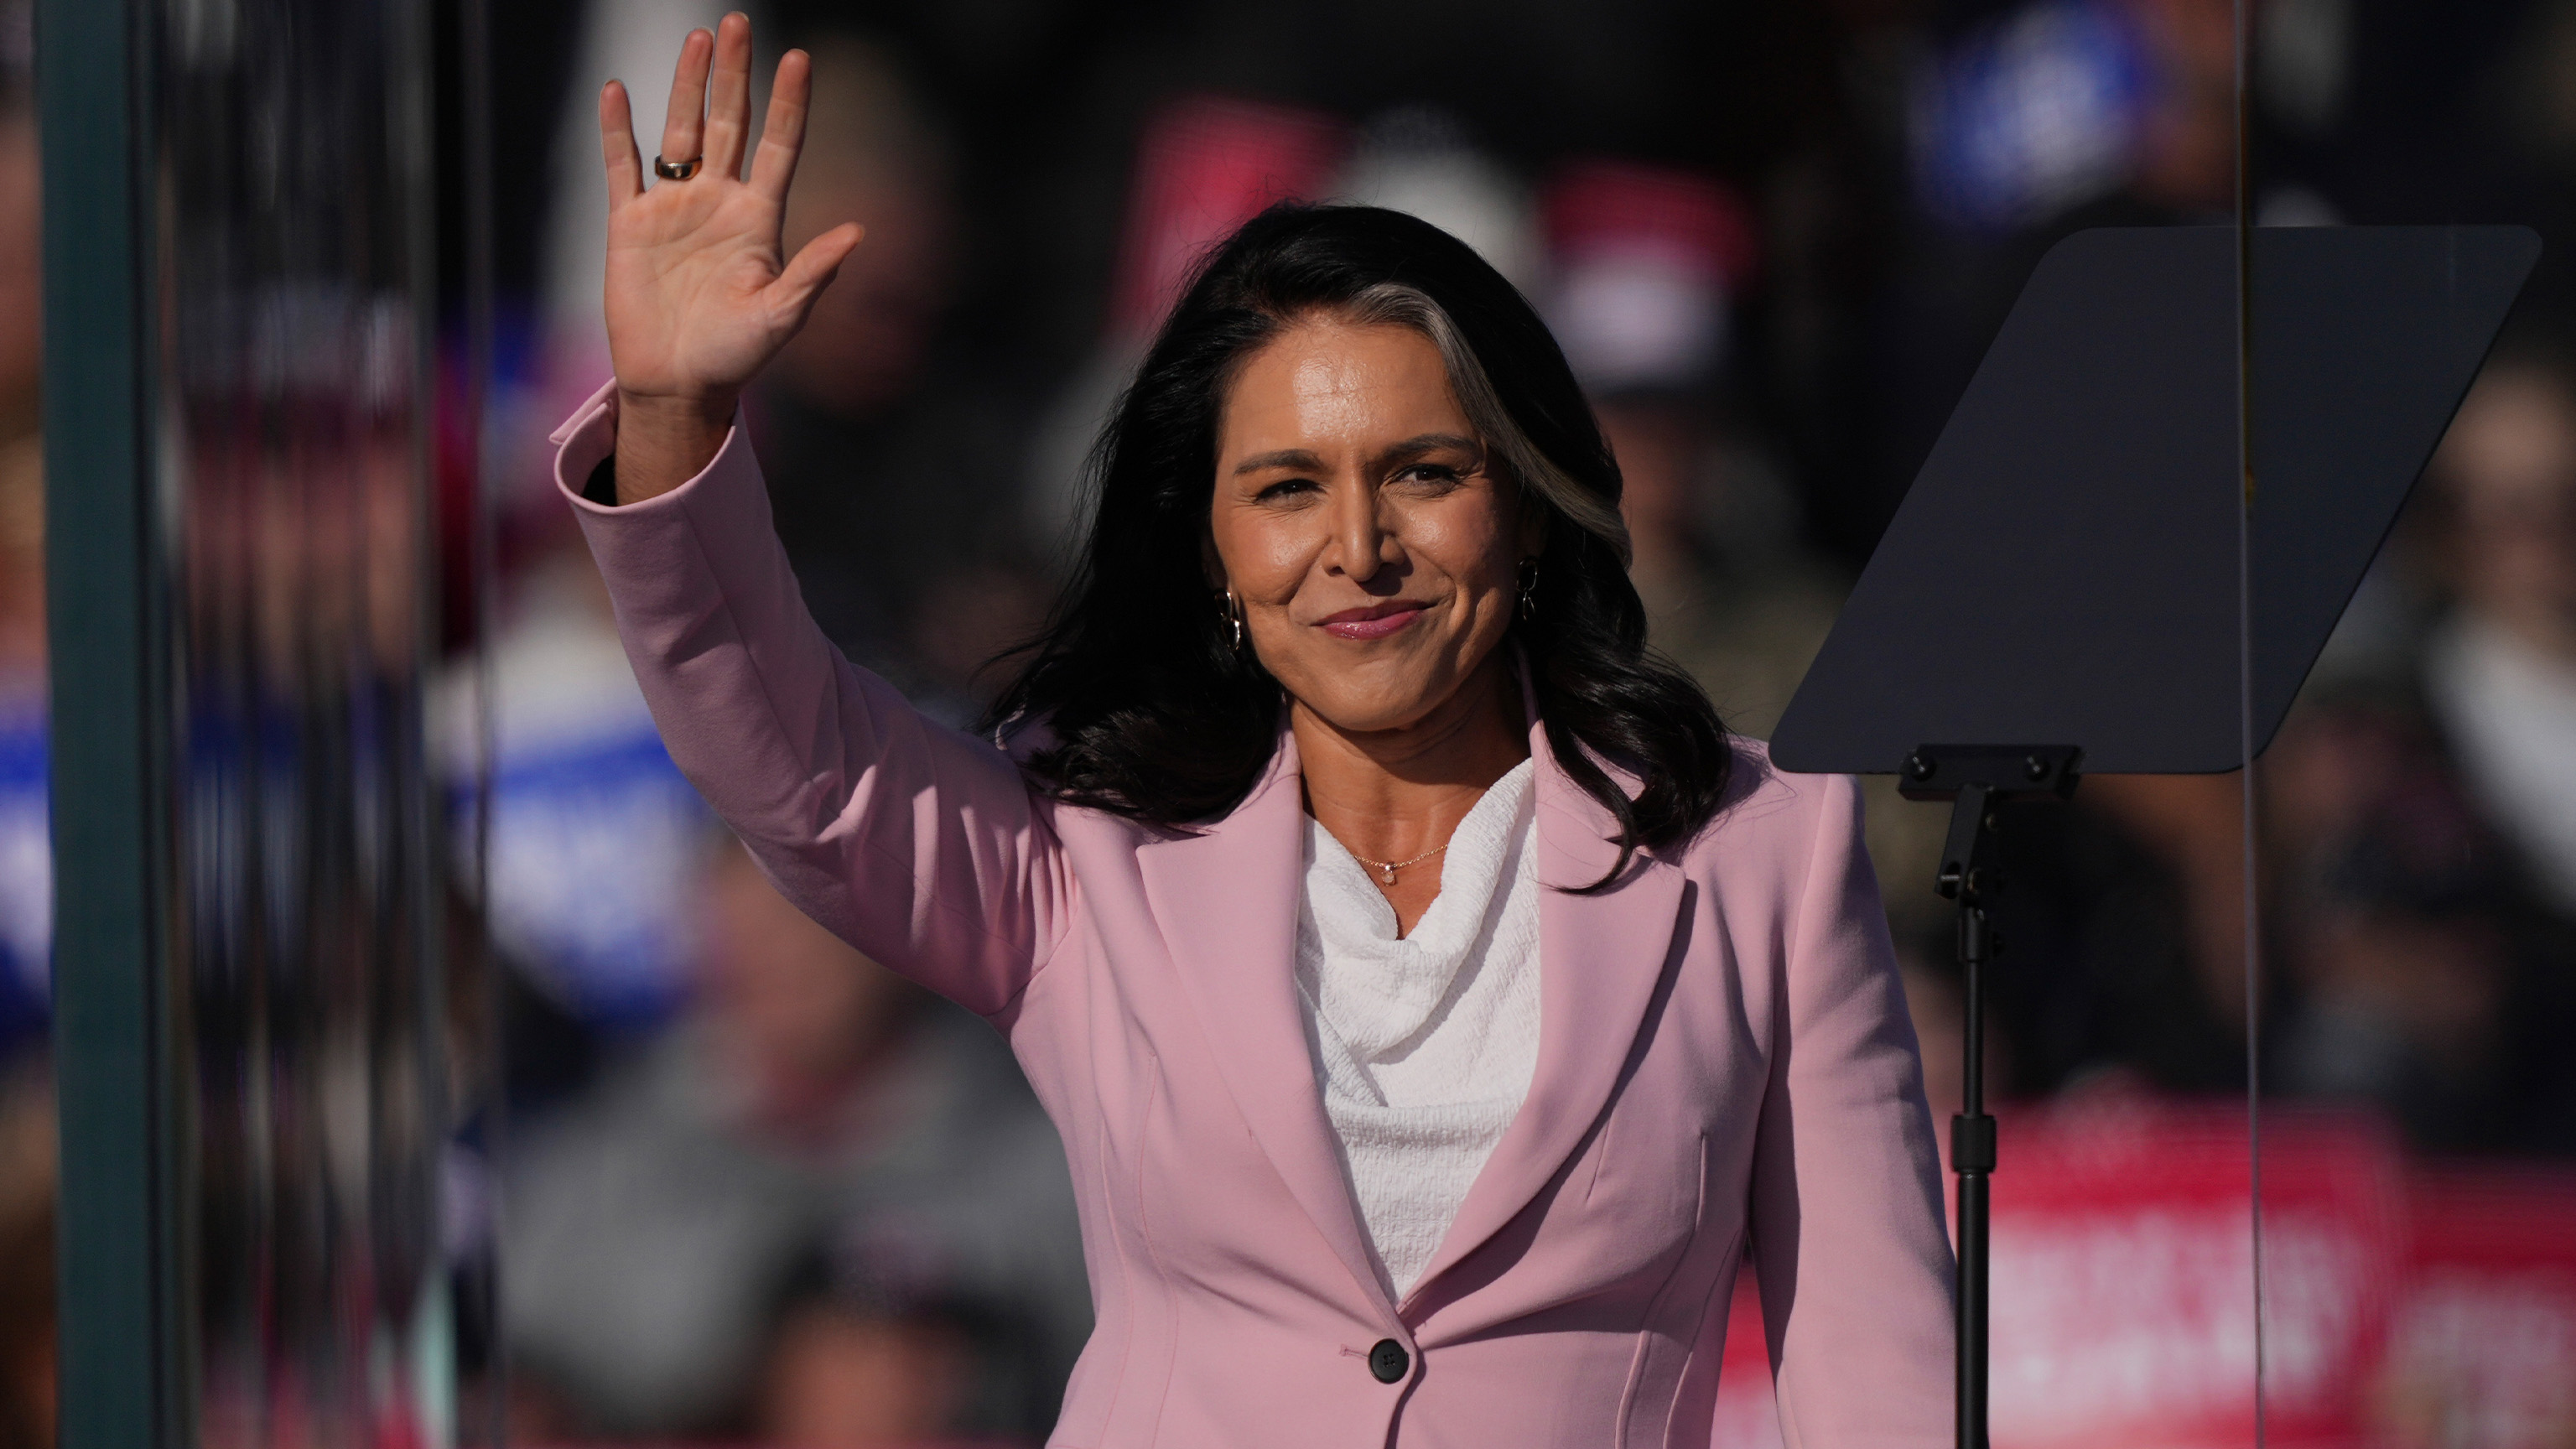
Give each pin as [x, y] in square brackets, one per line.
[1233, 612]
[1529, 590]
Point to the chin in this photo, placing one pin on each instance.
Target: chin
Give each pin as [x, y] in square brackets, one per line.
[1371, 711]
[1377, 691]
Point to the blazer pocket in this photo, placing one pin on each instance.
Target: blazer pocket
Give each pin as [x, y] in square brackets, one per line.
[1648, 1181]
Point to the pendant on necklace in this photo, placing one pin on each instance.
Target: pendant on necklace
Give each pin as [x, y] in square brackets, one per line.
[1386, 869]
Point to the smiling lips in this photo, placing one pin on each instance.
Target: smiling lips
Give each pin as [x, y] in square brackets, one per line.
[1374, 622]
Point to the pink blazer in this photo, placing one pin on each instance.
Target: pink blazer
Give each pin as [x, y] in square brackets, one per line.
[1725, 1063]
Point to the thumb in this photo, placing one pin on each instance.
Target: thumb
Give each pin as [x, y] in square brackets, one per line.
[811, 270]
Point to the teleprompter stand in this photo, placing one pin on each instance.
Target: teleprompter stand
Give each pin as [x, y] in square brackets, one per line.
[1975, 779]
[2125, 545]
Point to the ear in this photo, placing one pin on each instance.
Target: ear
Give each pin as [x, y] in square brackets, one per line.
[1209, 561]
[1533, 529]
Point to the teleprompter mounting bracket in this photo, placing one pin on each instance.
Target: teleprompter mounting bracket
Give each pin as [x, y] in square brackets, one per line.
[1976, 778]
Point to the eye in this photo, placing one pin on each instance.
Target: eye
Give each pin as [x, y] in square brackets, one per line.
[1285, 488]
[1435, 475]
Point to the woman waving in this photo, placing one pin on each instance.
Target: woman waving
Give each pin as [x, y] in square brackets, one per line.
[1436, 1003]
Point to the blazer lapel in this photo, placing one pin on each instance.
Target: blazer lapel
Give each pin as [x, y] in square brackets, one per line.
[1600, 957]
[1226, 899]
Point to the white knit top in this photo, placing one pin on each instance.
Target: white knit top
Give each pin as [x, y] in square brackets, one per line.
[1424, 1046]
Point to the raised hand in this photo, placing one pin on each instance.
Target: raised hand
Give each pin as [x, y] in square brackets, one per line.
[699, 294]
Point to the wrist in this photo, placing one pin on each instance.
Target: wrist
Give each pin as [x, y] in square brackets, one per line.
[664, 440]
[666, 408]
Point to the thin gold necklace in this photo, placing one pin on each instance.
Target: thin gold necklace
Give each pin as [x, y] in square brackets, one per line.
[1386, 869]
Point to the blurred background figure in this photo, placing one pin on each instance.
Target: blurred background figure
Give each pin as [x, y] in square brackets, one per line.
[1646, 265]
[2501, 669]
[2058, 107]
[2024, 123]
[1423, 160]
[1204, 165]
[594, 838]
[27, 1178]
[824, 1206]
[895, 458]
[2400, 925]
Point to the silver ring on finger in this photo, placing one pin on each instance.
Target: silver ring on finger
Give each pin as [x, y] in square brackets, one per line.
[677, 170]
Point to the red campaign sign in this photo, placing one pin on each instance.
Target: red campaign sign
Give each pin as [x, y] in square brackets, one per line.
[2122, 1304]
[2482, 1352]
[1747, 1415]
[2123, 1301]
[1206, 165]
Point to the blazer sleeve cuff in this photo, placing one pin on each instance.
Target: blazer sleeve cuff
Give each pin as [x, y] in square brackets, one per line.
[672, 559]
[589, 438]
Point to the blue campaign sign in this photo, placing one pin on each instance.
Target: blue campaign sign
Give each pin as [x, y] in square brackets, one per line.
[596, 847]
[26, 875]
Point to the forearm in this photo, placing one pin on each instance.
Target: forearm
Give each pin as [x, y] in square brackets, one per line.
[918, 845]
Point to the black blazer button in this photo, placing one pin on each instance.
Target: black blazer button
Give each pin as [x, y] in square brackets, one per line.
[1389, 1361]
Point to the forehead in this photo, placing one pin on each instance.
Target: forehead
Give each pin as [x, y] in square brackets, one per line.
[1327, 383]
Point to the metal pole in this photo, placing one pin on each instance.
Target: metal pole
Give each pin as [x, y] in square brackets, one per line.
[1975, 779]
[1972, 1156]
[124, 1329]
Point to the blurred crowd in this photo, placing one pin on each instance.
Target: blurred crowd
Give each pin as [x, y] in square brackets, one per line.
[747, 1185]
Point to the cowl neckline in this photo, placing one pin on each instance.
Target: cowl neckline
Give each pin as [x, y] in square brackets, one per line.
[1411, 980]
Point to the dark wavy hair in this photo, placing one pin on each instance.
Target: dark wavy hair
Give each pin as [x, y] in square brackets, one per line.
[1156, 716]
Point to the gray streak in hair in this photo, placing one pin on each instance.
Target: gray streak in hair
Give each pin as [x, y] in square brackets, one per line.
[1395, 304]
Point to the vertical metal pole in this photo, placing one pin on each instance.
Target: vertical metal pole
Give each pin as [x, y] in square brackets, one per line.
[2251, 943]
[124, 1311]
[1966, 878]
[490, 1089]
[1972, 1156]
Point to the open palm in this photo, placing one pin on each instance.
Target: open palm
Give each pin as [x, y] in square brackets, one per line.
[699, 293]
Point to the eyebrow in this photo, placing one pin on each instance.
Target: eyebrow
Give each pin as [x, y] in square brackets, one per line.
[1283, 458]
[1413, 447]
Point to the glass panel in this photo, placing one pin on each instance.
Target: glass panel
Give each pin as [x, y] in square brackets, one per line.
[294, 276]
[266, 1050]
[2413, 822]
[27, 1169]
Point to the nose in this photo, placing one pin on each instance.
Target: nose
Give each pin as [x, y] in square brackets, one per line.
[1362, 542]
